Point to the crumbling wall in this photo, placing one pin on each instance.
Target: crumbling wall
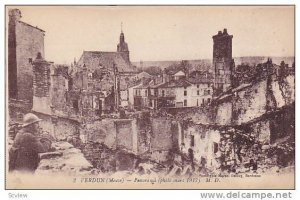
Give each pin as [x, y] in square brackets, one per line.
[66, 160]
[41, 86]
[126, 135]
[162, 136]
[58, 127]
[290, 89]
[30, 41]
[58, 92]
[282, 124]
[270, 94]
[199, 115]
[160, 156]
[250, 103]
[262, 131]
[100, 156]
[125, 161]
[65, 128]
[283, 89]
[103, 131]
[144, 132]
[224, 113]
[202, 144]
[203, 116]
[267, 142]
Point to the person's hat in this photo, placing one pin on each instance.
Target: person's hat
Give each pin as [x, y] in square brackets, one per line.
[30, 118]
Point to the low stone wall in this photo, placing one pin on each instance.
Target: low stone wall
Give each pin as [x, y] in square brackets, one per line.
[58, 127]
[70, 161]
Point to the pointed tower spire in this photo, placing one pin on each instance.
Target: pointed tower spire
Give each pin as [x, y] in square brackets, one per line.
[122, 46]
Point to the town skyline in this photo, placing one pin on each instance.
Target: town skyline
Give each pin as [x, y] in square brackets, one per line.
[181, 35]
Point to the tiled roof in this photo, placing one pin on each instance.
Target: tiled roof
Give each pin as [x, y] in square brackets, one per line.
[98, 59]
[134, 83]
[175, 83]
[241, 87]
[145, 84]
[199, 80]
[156, 85]
[173, 71]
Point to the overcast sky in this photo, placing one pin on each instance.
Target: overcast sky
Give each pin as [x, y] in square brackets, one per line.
[162, 33]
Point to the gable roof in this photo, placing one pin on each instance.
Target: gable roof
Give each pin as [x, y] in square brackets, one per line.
[156, 85]
[173, 71]
[144, 73]
[145, 84]
[98, 59]
[35, 27]
[199, 80]
[179, 73]
[175, 84]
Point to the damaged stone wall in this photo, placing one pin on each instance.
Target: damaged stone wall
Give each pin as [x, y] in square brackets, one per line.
[261, 131]
[91, 107]
[103, 131]
[201, 143]
[283, 89]
[250, 102]
[203, 115]
[282, 124]
[58, 91]
[100, 156]
[123, 134]
[268, 142]
[142, 136]
[164, 138]
[162, 135]
[126, 137]
[30, 42]
[224, 113]
[65, 160]
[59, 128]
[64, 102]
[41, 85]
[144, 132]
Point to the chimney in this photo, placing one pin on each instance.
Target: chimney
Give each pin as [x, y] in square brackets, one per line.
[225, 31]
[14, 15]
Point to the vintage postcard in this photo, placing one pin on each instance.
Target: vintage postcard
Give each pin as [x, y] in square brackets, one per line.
[150, 97]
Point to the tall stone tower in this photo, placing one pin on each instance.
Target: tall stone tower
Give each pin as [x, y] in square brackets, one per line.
[123, 47]
[223, 64]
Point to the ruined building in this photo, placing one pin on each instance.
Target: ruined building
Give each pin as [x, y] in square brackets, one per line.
[106, 72]
[24, 42]
[241, 124]
[223, 64]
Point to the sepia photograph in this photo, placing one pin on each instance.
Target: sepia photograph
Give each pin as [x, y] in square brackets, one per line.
[150, 97]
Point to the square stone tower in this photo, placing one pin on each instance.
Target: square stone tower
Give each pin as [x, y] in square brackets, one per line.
[223, 64]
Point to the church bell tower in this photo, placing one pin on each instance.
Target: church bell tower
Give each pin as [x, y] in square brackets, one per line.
[123, 47]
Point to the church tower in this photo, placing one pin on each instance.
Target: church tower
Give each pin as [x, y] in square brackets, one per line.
[223, 64]
[123, 47]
